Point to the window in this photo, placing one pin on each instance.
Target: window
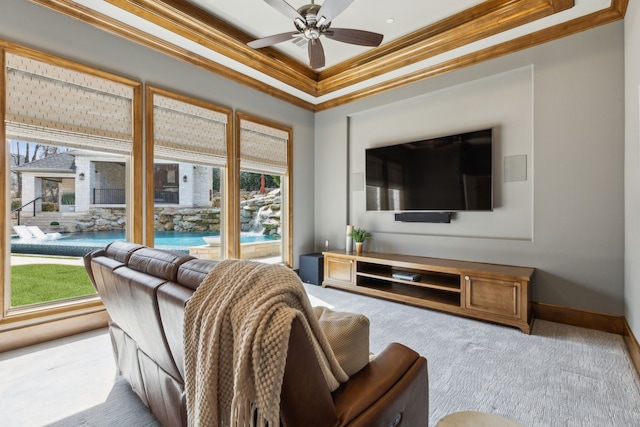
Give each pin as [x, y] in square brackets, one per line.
[71, 144]
[188, 144]
[264, 191]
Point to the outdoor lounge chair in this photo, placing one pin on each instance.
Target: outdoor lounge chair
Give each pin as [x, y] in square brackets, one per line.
[23, 232]
[41, 235]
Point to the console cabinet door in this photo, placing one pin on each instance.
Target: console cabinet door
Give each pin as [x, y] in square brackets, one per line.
[339, 271]
[493, 296]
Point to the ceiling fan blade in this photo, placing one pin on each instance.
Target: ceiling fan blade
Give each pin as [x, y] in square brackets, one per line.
[359, 37]
[316, 54]
[271, 40]
[286, 9]
[332, 8]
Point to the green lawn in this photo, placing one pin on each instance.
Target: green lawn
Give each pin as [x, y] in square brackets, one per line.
[36, 283]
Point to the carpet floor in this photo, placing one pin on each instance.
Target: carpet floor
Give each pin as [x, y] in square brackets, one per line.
[558, 376]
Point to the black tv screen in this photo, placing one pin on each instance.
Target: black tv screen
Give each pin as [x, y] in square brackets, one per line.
[451, 173]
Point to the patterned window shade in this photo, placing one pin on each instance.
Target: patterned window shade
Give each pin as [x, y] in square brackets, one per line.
[54, 105]
[263, 148]
[188, 133]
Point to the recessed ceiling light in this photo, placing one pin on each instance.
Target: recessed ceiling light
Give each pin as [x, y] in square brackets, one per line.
[390, 20]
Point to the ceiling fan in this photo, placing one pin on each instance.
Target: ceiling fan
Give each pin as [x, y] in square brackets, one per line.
[313, 21]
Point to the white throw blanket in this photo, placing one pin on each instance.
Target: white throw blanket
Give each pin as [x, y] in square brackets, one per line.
[236, 334]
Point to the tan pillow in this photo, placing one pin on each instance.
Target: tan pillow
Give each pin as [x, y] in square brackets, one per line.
[348, 335]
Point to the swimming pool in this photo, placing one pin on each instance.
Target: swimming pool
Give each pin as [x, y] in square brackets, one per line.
[79, 244]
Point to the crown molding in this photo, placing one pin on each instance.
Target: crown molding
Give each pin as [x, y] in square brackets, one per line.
[488, 18]
[103, 22]
[606, 16]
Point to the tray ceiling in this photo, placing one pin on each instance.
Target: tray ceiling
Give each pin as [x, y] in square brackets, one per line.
[426, 38]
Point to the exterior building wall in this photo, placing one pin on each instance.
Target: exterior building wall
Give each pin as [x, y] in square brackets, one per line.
[202, 183]
[83, 187]
[31, 188]
[185, 188]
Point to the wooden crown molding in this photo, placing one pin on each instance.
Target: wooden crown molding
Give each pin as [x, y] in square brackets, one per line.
[486, 19]
[89, 16]
[476, 23]
[479, 22]
[606, 16]
[193, 23]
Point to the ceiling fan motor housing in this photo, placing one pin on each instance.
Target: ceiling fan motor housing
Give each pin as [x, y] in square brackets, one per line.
[309, 28]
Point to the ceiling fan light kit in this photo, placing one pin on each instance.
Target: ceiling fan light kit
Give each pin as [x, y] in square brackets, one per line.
[313, 21]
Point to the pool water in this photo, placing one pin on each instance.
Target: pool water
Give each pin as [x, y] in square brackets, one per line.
[78, 244]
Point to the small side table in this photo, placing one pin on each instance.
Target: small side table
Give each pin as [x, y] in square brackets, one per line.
[476, 419]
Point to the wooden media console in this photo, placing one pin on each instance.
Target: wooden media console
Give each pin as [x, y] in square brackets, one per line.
[491, 292]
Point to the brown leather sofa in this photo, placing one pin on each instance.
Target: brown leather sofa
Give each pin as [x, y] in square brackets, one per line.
[145, 291]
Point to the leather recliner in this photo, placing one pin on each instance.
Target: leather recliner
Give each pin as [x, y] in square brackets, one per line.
[145, 291]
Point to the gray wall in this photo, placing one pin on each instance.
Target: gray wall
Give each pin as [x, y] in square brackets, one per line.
[566, 219]
[34, 26]
[632, 166]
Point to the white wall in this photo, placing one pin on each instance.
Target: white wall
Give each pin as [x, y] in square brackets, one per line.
[34, 26]
[632, 166]
[567, 220]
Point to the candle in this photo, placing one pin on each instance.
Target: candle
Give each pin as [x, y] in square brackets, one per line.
[349, 243]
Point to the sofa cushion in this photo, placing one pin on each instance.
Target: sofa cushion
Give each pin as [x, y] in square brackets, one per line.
[193, 272]
[161, 264]
[121, 251]
[348, 335]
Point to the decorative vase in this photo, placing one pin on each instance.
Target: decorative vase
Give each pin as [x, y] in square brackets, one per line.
[359, 247]
[349, 245]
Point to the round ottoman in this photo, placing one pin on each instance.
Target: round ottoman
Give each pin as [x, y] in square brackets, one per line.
[476, 419]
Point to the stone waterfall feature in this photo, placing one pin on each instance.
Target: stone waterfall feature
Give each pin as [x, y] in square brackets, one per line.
[259, 213]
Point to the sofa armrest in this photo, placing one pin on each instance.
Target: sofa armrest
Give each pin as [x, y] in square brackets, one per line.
[391, 390]
[87, 264]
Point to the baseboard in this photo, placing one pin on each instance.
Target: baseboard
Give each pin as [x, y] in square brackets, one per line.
[632, 345]
[583, 318]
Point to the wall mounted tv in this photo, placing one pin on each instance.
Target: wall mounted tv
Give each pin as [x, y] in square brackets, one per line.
[450, 173]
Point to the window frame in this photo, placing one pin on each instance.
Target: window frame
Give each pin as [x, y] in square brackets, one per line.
[227, 186]
[67, 314]
[287, 185]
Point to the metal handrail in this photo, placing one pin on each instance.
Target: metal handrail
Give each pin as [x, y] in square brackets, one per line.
[18, 210]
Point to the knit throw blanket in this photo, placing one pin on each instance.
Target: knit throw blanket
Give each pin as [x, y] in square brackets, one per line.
[236, 335]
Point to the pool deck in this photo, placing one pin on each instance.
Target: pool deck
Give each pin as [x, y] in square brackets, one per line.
[27, 260]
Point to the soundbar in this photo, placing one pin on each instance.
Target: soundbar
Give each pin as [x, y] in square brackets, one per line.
[441, 217]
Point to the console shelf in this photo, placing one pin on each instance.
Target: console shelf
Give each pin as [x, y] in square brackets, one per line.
[491, 292]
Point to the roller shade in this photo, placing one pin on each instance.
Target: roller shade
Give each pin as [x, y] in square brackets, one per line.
[263, 148]
[54, 105]
[188, 132]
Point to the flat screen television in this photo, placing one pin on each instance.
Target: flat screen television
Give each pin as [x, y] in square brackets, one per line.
[446, 174]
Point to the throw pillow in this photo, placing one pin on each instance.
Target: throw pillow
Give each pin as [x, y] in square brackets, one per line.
[348, 335]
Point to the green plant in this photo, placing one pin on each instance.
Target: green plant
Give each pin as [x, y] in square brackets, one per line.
[68, 199]
[359, 235]
[49, 207]
[54, 223]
